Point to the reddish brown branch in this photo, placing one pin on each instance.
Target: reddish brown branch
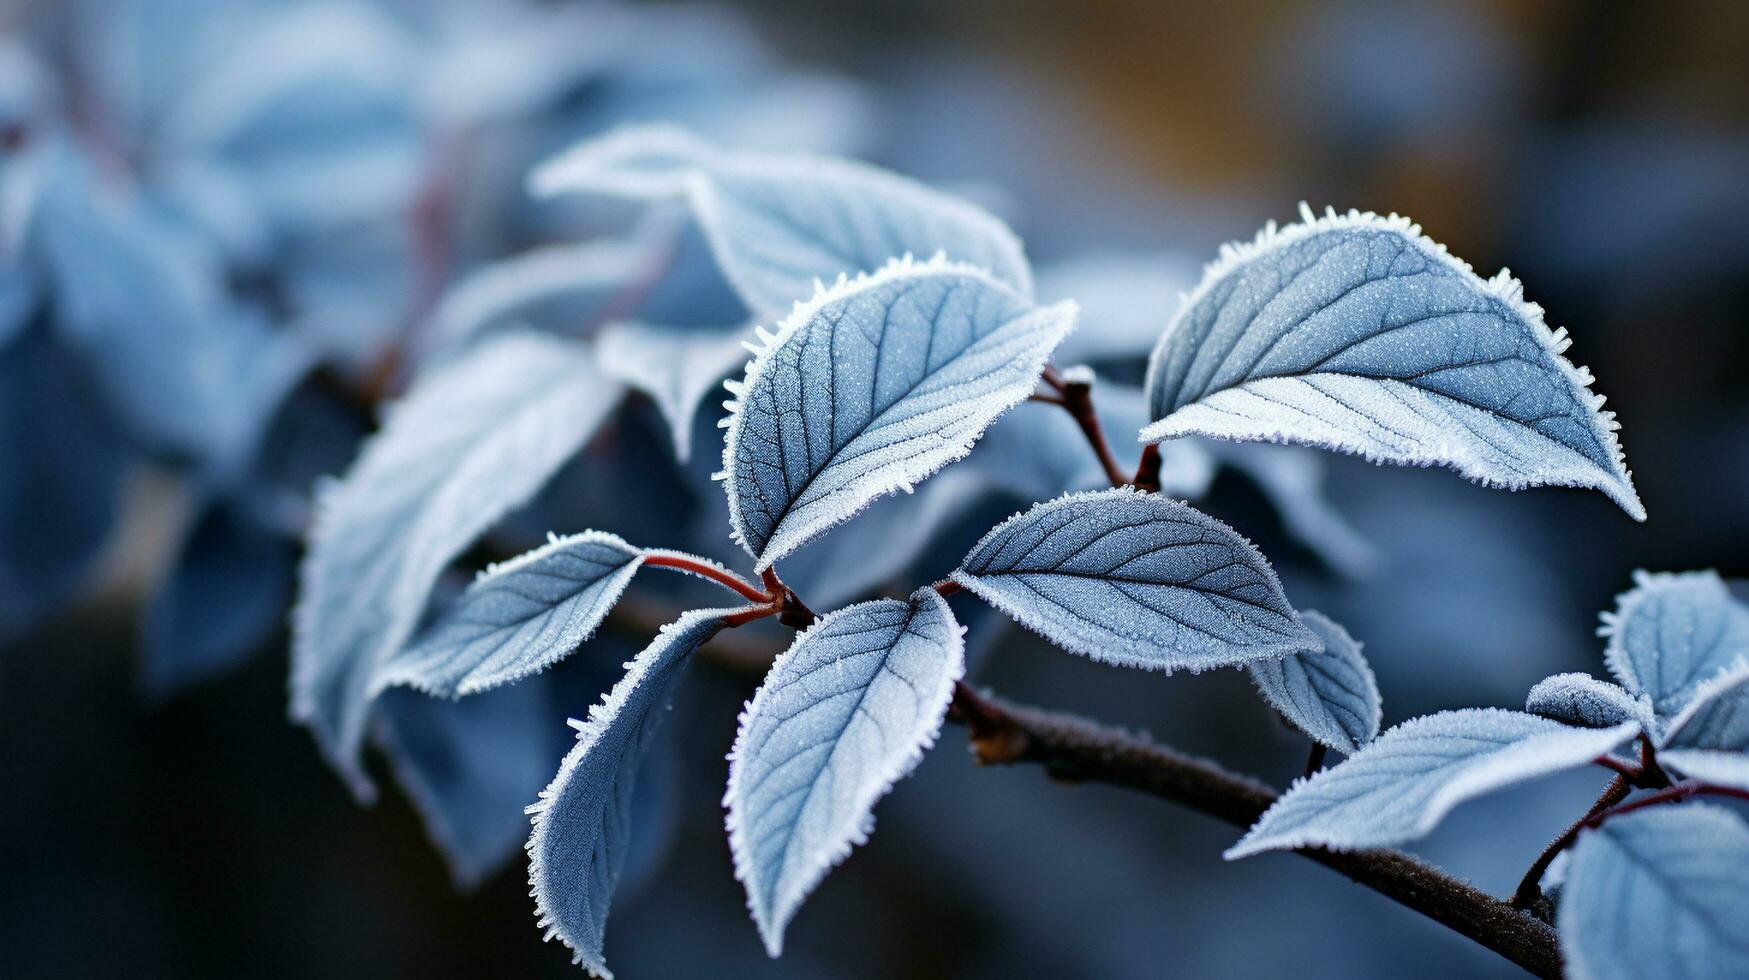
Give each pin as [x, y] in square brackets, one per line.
[1072, 749]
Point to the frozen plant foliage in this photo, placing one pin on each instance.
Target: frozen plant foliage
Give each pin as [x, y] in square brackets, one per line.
[870, 387]
[780, 223]
[1659, 892]
[473, 439]
[1709, 740]
[594, 816]
[844, 714]
[676, 368]
[1331, 696]
[1718, 715]
[1402, 785]
[582, 279]
[582, 820]
[1673, 632]
[518, 618]
[1580, 699]
[1136, 580]
[1357, 333]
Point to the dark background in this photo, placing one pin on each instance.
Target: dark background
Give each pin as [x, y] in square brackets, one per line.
[1598, 149]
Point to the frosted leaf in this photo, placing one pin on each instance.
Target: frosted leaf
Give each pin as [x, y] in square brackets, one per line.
[1658, 893]
[1402, 785]
[1137, 580]
[1716, 715]
[582, 280]
[469, 767]
[473, 439]
[582, 819]
[1709, 766]
[844, 713]
[779, 223]
[1357, 333]
[676, 368]
[871, 387]
[1331, 696]
[518, 618]
[1580, 699]
[1671, 633]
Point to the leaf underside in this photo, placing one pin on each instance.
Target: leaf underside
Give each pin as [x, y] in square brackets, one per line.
[1358, 334]
[1398, 788]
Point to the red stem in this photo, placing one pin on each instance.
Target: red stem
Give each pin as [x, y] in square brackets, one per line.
[706, 570]
[947, 587]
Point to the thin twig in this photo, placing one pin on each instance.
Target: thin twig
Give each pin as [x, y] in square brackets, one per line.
[1530, 886]
[1315, 758]
[1075, 750]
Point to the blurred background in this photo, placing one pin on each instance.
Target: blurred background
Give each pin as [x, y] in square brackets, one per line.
[225, 228]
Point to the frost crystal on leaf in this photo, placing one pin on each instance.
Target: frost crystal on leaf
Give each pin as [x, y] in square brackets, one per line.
[1138, 580]
[1580, 699]
[844, 713]
[582, 820]
[518, 618]
[778, 224]
[1357, 333]
[1402, 785]
[1658, 893]
[1331, 696]
[1671, 633]
[871, 387]
[473, 439]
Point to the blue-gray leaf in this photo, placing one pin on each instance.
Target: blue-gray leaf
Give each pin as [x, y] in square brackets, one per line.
[582, 820]
[1658, 893]
[1580, 699]
[1137, 580]
[1331, 696]
[572, 284]
[1709, 740]
[1359, 334]
[845, 713]
[676, 368]
[1402, 785]
[778, 224]
[473, 439]
[518, 618]
[1671, 633]
[871, 387]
